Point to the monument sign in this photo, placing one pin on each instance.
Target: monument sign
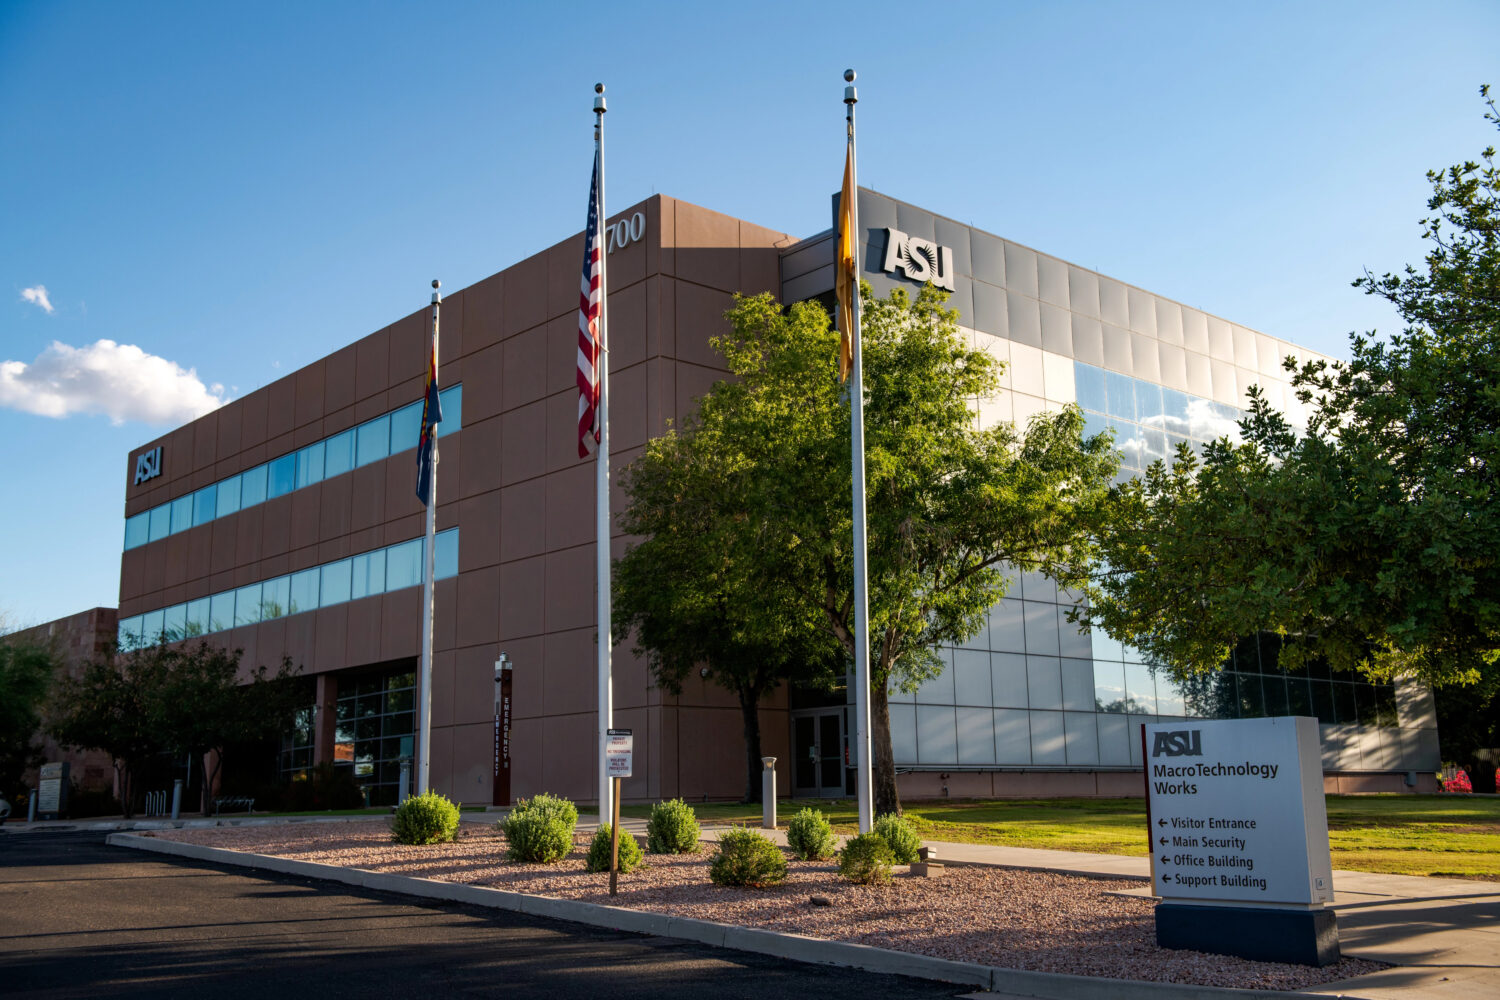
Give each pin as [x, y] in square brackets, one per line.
[1239, 838]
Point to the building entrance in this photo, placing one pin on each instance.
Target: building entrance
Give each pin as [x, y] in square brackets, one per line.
[818, 753]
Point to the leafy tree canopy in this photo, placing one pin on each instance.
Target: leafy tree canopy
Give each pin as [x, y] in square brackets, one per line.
[1370, 538]
[947, 501]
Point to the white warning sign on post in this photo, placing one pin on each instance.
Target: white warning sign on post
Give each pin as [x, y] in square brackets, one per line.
[619, 748]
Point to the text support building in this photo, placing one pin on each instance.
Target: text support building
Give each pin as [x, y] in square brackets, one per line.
[285, 523]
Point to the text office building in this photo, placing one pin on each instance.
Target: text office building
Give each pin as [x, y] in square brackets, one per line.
[285, 523]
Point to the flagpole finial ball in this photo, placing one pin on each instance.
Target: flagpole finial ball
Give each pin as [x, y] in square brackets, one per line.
[598, 88]
[436, 283]
[848, 76]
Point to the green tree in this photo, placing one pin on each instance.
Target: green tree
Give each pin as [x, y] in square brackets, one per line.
[26, 672]
[1368, 539]
[947, 502]
[171, 698]
[688, 590]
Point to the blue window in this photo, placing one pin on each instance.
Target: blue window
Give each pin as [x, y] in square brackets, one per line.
[368, 574]
[229, 497]
[335, 587]
[205, 502]
[447, 555]
[196, 622]
[221, 612]
[247, 605]
[374, 441]
[452, 399]
[137, 530]
[129, 634]
[304, 591]
[253, 487]
[310, 465]
[406, 426]
[282, 476]
[403, 565]
[275, 597]
[338, 454]
[161, 522]
[182, 513]
[174, 622]
[1090, 387]
[152, 622]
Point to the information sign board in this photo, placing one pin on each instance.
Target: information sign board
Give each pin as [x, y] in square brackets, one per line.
[1236, 811]
[619, 748]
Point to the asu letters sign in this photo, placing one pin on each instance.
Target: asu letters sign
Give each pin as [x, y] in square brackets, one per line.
[920, 260]
[147, 465]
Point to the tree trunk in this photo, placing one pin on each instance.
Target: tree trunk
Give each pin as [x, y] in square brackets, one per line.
[882, 756]
[750, 711]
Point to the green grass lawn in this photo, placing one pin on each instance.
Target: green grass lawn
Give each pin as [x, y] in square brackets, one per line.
[1456, 836]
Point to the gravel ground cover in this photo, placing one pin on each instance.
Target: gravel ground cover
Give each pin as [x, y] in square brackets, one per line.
[1011, 918]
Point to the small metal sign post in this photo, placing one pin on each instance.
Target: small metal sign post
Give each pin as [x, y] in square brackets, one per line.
[619, 749]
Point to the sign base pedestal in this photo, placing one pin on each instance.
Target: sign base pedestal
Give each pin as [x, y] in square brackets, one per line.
[1303, 937]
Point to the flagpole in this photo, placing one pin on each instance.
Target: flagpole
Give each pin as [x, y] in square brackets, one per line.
[601, 482]
[424, 690]
[863, 773]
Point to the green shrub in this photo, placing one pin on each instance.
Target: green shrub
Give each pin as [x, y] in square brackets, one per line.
[903, 840]
[631, 857]
[428, 818]
[809, 835]
[540, 828]
[747, 858]
[672, 828]
[866, 859]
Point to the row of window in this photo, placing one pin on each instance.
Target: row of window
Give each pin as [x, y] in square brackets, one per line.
[1149, 420]
[386, 435]
[376, 572]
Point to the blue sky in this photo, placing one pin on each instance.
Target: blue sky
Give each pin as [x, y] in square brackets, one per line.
[238, 190]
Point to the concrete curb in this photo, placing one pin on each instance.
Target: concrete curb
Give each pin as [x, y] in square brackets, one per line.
[796, 947]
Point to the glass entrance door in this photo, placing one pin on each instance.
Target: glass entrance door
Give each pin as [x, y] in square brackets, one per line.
[818, 752]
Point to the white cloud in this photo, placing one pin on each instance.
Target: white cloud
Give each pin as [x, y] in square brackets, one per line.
[37, 296]
[120, 381]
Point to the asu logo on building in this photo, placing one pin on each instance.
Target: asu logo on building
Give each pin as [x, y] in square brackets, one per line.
[918, 259]
[147, 465]
[1178, 743]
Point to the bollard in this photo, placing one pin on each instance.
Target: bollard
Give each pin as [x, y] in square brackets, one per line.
[403, 790]
[31, 808]
[768, 793]
[176, 797]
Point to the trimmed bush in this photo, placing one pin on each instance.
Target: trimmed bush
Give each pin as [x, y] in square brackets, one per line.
[540, 829]
[672, 828]
[428, 818]
[809, 835]
[903, 840]
[631, 857]
[746, 858]
[866, 859]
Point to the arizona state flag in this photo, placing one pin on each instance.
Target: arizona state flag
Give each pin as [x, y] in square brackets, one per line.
[432, 415]
[846, 282]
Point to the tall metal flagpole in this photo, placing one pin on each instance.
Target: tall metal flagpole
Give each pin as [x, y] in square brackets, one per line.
[601, 481]
[864, 772]
[424, 681]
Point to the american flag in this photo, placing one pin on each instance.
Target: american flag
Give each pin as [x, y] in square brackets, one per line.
[589, 345]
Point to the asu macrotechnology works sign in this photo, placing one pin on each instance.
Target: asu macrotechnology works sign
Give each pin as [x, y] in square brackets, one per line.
[1237, 811]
